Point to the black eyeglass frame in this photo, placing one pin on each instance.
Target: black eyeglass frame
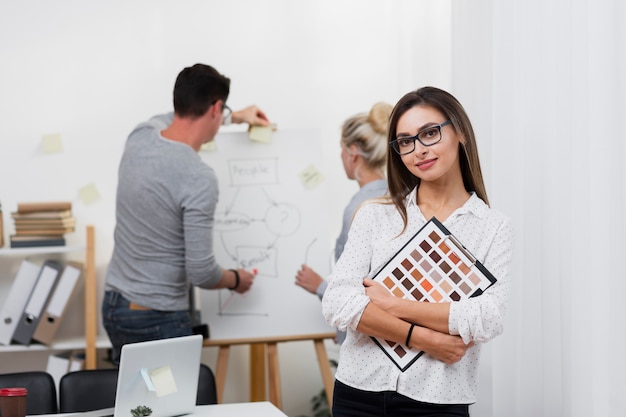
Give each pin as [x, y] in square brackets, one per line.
[226, 111]
[394, 142]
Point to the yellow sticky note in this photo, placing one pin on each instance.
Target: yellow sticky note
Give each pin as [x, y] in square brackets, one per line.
[311, 177]
[89, 193]
[261, 134]
[163, 381]
[51, 143]
[209, 146]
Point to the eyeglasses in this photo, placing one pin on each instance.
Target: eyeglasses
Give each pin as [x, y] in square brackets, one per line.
[427, 137]
[226, 111]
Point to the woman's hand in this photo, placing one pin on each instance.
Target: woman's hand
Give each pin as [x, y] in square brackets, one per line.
[380, 296]
[308, 279]
[444, 347]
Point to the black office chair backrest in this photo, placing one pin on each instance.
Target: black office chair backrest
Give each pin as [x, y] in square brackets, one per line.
[42, 393]
[207, 391]
[87, 390]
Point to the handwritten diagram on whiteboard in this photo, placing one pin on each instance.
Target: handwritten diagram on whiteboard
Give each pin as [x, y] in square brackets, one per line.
[271, 216]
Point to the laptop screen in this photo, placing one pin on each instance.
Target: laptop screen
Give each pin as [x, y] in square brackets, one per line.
[160, 375]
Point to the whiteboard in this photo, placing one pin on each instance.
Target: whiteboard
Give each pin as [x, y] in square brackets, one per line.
[271, 216]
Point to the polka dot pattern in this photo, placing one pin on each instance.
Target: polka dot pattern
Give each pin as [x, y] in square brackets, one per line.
[374, 238]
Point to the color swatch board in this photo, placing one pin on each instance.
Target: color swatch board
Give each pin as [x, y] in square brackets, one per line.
[433, 266]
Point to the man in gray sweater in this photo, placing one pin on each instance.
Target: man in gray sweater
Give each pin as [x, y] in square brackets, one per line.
[166, 200]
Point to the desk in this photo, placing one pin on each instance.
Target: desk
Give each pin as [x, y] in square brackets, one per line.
[258, 409]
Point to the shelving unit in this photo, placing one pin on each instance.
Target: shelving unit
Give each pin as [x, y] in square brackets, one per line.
[89, 340]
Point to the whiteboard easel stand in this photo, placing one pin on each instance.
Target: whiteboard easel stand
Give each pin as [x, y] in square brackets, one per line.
[263, 348]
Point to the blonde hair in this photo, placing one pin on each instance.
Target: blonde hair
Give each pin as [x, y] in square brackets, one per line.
[368, 132]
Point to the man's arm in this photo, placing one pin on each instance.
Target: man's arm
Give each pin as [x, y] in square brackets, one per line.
[252, 115]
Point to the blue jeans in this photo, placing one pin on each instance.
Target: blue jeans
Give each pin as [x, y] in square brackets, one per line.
[352, 402]
[124, 325]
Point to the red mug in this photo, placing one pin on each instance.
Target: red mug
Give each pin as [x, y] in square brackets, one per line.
[13, 402]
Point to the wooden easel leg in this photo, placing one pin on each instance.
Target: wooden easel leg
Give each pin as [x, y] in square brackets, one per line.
[257, 372]
[91, 302]
[220, 371]
[327, 375]
[274, 375]
[262, 351]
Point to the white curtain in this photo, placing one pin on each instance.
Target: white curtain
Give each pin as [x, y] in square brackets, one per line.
[546, 81]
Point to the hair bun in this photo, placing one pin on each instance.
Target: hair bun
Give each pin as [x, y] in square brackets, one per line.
[378, 117]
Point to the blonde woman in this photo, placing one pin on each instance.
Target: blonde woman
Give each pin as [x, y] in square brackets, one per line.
[364, 155]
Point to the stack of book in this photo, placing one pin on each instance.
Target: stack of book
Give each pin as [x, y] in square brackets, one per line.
[42, 224]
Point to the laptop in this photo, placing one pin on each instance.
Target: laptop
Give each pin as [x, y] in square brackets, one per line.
[161, 375]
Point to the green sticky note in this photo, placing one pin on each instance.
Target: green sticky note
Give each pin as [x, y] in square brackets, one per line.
[261, 134]
[89, 194]
[209, 146]
[51, 143]
[311, 177]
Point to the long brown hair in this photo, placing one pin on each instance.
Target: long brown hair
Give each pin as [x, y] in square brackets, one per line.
[401, 180]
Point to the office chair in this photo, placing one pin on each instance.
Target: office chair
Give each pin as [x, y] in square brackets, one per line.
[42, 393]
[87, 390]
[207, 390]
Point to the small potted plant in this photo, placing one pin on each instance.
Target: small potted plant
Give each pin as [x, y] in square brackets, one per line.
[141, 411]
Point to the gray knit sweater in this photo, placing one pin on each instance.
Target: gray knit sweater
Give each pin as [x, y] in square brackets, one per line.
[166, 199]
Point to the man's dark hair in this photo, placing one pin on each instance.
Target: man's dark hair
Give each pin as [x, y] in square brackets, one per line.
[197, 88]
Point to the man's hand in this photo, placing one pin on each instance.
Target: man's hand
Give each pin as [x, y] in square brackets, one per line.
[252, 115]
[246, 278]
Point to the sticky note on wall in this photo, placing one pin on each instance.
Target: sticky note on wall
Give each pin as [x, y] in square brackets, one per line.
[89, 194]
[51, 143]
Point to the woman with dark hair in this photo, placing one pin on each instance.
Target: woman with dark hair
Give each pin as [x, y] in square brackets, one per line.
[433, 170]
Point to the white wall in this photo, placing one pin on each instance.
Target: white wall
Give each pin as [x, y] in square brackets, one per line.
[556, 90]
[90, 71]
